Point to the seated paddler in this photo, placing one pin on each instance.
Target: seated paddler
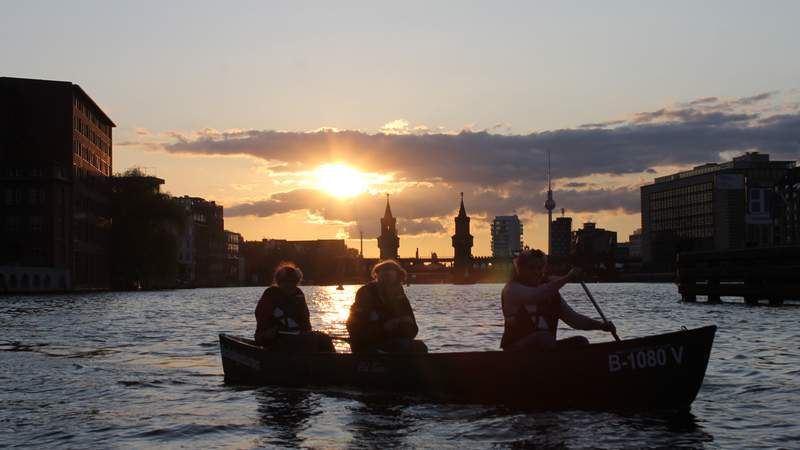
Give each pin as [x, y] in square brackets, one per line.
[381, 318]
[283, 322]
[532, 307]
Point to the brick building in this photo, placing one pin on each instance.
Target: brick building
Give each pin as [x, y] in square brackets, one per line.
[55, 167]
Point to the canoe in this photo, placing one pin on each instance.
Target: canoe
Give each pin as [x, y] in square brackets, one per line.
[660, 372]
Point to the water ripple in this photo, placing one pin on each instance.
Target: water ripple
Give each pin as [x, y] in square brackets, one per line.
[142, 370]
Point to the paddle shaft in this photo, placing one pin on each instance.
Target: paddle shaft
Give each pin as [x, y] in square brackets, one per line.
[335, 338]
[597, 307]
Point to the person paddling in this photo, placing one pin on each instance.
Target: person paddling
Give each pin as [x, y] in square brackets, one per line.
[283, 322]
[532, 307]
[381, 318]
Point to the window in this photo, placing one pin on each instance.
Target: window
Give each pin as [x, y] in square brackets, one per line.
[36, 223]
[12, 224]
[33, 196]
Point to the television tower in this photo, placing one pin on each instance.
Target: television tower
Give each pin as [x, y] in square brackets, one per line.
[550, 205]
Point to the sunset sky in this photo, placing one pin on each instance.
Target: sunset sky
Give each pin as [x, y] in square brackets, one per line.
[299, 117]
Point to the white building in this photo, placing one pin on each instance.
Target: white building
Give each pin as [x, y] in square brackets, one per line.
[506, 236]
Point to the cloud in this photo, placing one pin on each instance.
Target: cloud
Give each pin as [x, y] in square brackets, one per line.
[577, 184]
[422, 226]
[422, 209]
[500, 173]
[609, 123]
[667, 136]
[754, 99]
[623, 199]
[703, 101]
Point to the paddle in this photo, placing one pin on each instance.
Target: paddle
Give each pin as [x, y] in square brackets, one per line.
[332, 336]
[597, 307]
[337, 338]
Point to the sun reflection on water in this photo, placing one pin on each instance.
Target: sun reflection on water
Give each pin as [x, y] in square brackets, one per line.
[330, 308]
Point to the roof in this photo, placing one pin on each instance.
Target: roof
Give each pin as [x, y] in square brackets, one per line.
[388, 213]
[76, 88]
[462, 212]
[86, 96]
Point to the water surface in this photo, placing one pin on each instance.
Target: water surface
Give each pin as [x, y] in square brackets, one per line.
[142, 370]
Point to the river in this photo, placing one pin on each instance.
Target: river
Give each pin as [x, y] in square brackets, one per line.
[142, 369]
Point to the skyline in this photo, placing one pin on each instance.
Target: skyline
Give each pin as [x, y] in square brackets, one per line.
[227, 103]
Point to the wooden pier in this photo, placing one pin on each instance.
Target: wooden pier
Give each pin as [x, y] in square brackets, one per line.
[771, 274]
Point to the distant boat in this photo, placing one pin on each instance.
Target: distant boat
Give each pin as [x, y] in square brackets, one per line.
[661, 372]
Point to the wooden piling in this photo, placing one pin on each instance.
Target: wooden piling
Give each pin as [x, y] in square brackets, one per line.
[771, 274]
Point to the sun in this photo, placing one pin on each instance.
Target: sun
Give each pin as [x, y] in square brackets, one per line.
[341, 180]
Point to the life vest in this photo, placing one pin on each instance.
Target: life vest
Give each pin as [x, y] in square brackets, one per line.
[529, 319]
[380, 311]
[289, 311]
[374, 313]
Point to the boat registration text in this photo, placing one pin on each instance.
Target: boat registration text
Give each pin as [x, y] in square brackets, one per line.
[645, 358]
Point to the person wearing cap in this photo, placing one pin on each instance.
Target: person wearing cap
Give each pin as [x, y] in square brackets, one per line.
[532, 307]
[283, 322]
[381, 318]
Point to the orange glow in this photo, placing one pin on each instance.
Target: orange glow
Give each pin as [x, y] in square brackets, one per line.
[341, 180]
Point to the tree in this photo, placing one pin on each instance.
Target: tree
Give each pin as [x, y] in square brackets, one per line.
[145, 228]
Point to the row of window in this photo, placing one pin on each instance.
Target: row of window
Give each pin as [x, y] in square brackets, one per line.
[20, 196]
[84, 129]
[34, 281]
[682, 191]
[94, 118]
[681, 213]
[32, 172]
[685, 221]
[90, 176]
[90, 157]
[672, 202]
[692, 233]
[15, 224]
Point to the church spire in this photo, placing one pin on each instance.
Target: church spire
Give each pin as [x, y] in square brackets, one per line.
[462, 212]
[388, 213]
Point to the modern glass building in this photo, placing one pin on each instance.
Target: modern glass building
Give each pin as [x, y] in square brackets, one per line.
[506, 236]
[711, 207]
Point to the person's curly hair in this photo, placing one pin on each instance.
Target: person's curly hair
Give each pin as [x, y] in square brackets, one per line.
[287, 271]
[389, 264]
[530, 258]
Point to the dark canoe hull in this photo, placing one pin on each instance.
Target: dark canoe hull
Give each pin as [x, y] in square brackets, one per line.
[656, 372]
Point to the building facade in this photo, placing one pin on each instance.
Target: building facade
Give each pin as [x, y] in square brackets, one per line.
[635, 244]
[202, 249]
[711, 207]
[323, 261]
[595, 250]
[787, 208]
[234, 263]
[186, 259]
[388, 241]
[55, 167]
[561, 239]
[506, 236]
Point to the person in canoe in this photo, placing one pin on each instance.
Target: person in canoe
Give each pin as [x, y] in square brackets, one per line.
[532, 307]
[381, 318]
[282, 319]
